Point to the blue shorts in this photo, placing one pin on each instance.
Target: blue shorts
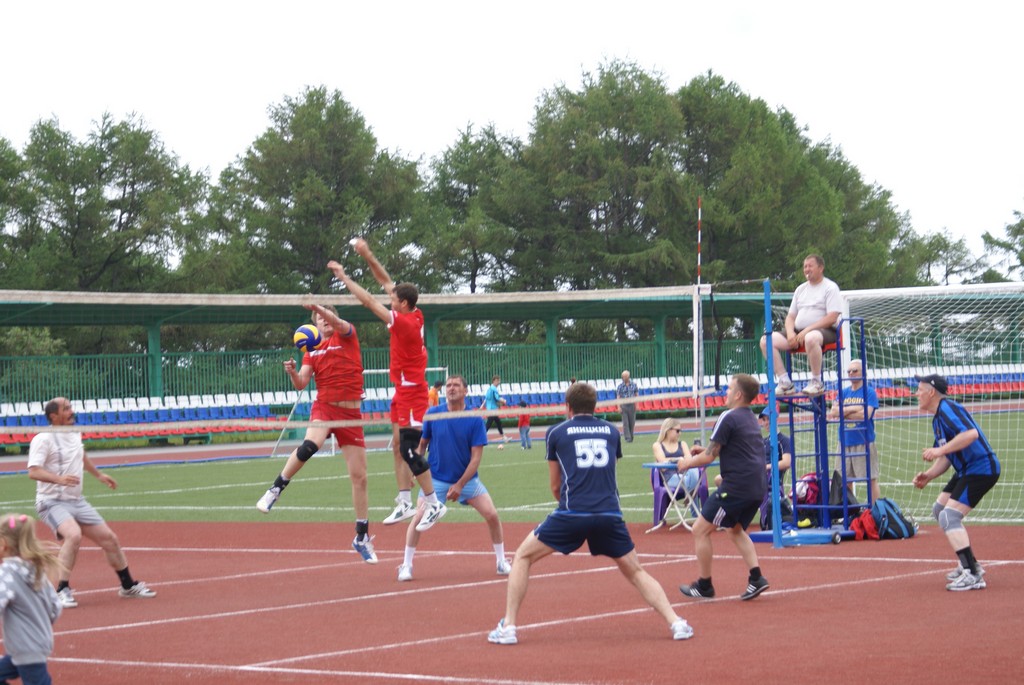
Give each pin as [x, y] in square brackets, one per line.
[474, 488]
[725, 512]
[968, 490]
[605, 534]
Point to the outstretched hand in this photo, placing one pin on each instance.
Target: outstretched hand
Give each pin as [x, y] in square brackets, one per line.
[361, 247]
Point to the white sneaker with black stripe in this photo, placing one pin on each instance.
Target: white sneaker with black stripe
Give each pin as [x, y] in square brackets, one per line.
[955, 573]
[137, 590]
[966, 581]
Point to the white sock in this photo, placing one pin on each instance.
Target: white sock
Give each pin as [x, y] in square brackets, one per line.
[784, 378]
[410, 552]
[405, 496]
[431, 498]
[499, 551]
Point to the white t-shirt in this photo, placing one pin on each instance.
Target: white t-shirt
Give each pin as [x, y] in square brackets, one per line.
[61, 454]
[813, 302]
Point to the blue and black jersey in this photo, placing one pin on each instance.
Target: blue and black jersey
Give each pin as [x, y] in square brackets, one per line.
[978, 458]
[586, 449]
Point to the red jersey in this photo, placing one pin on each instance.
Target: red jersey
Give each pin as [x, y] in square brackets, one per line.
[408, 353]
[524, 420]
[337, 368]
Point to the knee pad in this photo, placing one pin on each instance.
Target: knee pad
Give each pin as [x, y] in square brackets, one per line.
[408, 441]
[937, 509]
[306, 450]
[951, 519]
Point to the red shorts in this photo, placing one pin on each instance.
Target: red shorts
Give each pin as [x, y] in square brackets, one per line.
[352, 435]
[409, 405]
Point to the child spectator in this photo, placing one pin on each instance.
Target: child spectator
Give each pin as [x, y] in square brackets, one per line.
[524, 429]
[28, 602]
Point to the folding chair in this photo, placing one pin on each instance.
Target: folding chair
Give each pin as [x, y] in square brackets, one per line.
[683, 502]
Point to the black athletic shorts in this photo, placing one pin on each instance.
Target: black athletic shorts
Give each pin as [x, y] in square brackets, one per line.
[969, 489]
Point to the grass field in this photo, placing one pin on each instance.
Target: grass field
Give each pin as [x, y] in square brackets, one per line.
[226, 490]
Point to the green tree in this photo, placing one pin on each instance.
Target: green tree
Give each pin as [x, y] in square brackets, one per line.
[1010, 246]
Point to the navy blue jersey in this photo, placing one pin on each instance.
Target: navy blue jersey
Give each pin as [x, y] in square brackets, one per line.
[785, 447]
[741, 458]
[451, 443]
[978, 458]
[586, 449]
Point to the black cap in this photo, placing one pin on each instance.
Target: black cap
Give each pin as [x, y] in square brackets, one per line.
[936, 381]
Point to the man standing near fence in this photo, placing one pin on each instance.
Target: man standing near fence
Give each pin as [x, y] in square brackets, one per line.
[625, 390]
[959, 443]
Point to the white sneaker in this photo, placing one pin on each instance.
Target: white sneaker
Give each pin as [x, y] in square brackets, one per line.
[365, 549]
[786, 388]
[814, 388]
[966, 581]
[404, 573]
[431, 516]
[137, 590]
[67, 598]
[403, 510]
[503, 634]
[681, 630]
[955, 573]
[504, 567]
[268, 499]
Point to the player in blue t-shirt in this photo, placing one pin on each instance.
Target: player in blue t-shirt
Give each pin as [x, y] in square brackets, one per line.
[737, 445]
[581, 454]
[859, 429]
[454, 448]
[959, 443]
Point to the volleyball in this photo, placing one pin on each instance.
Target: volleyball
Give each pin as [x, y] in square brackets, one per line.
[307, 338]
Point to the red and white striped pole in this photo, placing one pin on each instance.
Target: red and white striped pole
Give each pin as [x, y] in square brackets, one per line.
[698, 239]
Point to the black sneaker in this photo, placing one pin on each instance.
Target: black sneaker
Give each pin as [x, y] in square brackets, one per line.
[754, 588]
[694, 590]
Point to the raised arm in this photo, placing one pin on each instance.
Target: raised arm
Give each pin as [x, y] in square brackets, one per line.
[363, 249]
[360, 293]
[337, 323]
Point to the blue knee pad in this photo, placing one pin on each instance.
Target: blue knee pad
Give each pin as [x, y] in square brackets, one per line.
[951, 519]
[408, 441]
[306, 450]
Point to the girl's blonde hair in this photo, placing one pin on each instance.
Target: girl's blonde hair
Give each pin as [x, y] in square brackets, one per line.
[18, 532]
[666, 426]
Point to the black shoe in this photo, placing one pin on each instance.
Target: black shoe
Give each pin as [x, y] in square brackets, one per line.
[694, 590]
[754, 588]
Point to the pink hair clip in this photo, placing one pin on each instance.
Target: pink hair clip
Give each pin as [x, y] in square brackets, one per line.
[21, 518]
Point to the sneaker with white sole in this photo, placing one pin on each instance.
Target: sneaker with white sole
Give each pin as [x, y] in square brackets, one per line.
[432, 515]
[786, 388]
[67, 598]
[404, 573]
[504, 567]
[365, 549]
[681, 630]
[503, 634]
[814, 388]
[694, 590]
[754, 588]
[403, 510]
[955, 573]
[966, 581]
[267, 501]
[137, 590]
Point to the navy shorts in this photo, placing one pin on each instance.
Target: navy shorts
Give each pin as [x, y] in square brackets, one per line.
[726, 512]
[605, 534]
[969, 489]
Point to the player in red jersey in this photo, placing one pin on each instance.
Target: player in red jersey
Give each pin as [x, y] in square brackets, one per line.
[338, 368]
[408, 368]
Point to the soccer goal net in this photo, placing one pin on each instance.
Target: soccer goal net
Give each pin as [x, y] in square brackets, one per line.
[972, 335]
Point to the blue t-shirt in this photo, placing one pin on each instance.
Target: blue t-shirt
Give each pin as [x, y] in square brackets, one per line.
[741, 458]
[586, 449]
[785, 447]
[451, 443]
[860, 432]
[978, 458]
[491, 397]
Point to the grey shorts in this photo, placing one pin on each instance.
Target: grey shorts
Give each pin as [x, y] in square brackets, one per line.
[856, 467]
[54, 512]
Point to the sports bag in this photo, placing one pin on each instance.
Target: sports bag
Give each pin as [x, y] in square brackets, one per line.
[864, 527]
[892, 523]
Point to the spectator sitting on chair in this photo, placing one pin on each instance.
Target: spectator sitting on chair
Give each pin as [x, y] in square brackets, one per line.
[860, 431]
[810, 325]
[668, 447]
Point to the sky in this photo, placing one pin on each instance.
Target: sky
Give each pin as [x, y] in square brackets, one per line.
[925, 99]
